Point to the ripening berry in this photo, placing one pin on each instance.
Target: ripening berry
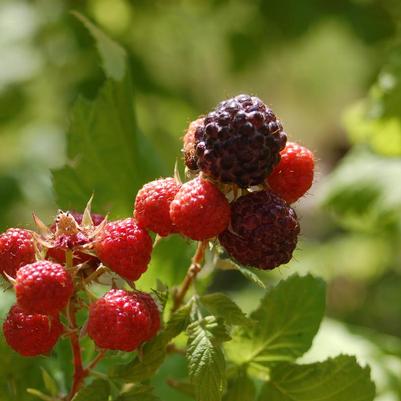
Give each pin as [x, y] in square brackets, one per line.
[200, 210]
[293, 176]
[43, 287]
[152, 206]
[125, 248]
[189, 145]
[123, 320]
[31, 334]
[16, 250]
[263, 232]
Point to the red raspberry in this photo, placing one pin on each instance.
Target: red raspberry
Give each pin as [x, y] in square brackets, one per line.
[263, 231]
[200, 210]
[293, 176]
[123, 320]
[152, 205]
[31, 334]
[125, 248]
[16, 250]
[43, 287]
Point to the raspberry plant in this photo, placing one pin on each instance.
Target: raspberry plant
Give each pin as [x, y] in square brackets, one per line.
[78, 279]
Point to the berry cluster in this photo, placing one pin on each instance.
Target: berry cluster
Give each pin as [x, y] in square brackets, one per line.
[48, 270]
[243, 177]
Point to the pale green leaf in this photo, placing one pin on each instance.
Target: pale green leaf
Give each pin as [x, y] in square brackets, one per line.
[138, 393]
[98, 390]
[206, 362]
[112, 54]
[338, 379]
[250, 274]
[286, 322]
[49, 382]
[222, 306]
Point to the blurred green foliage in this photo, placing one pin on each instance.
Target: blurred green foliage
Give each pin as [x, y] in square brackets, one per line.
[331, 70]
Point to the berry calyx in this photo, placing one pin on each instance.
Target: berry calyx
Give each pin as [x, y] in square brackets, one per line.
[239, 142]
[31, 334]
[293, 176]
[123, 320]
[68, 234]
[200, 210]
[16, 249]
[125, 248]
[152, 206]
[189, 144]
[43, 287]
[263, 232]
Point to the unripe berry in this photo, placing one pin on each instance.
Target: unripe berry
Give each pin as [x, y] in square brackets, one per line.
[43, 287]
[123, 320]
[16, 250]
[125, 248]
[200, 210]
[31, 334]
[293, 176]
[152, 206]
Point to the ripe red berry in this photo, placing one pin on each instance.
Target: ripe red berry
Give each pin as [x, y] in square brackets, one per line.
[16, 250]
[200, 210]
[31, 334]
[293, 176]
[263, 232]
[125, 248]
[123, 320]
[43, 287]
[152, 206]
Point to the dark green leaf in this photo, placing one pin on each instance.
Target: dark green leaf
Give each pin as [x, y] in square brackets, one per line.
[240, 387]
[286, 322]
[222, 306]
[206, 363]
[338, 379]
[98, 390]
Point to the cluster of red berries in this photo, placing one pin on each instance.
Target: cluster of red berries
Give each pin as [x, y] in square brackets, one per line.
[49, 269]
[244, 176]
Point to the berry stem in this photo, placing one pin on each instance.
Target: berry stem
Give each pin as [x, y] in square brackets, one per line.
[192, 272]
[79, 372]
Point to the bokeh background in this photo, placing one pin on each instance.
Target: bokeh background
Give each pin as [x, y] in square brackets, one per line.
[331, 70]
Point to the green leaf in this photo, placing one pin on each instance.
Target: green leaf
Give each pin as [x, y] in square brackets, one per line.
[112, 54]
[138, 393]
[178, 322]
[107, 153]
[50, 384]
[222, 306]
[184, 387]
[338, 379]
[4, 283]
[362, 194]
[98, 390]
[250, 274]
[286, 322]
[240, 387]
[206, 363]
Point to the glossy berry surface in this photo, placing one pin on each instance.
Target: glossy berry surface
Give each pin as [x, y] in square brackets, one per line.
[263, 232]
[200, 210]
[43, 287]
[152, 206]
[16, 250]
[293, 176]
[31, 334]
[240, 142]
[125, 248]
[123, 320]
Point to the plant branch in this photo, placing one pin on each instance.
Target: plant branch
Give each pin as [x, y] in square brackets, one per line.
[192, 272]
